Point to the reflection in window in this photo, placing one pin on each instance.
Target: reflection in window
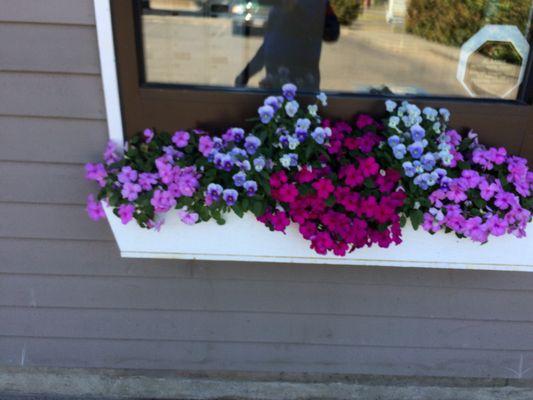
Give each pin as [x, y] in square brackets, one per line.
[398, 46]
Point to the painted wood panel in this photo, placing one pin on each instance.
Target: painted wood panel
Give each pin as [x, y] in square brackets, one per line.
[245, 328]
[54, 140]
[226, 295]
[27, 257]
[50, 221]
[41, 47]
[51, 95]
[256, 357]
[35, 182]
[49, 11]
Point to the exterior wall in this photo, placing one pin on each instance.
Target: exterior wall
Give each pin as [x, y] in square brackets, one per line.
[68, 300]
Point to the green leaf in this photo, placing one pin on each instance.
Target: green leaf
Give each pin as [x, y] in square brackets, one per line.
[416, 217]
[237, 209]
[258, 208]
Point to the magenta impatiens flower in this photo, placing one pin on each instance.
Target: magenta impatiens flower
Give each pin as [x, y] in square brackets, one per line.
[323, 188]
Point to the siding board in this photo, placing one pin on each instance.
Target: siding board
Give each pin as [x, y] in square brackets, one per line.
[51, 95]
[49, 11]
[43, 183]
[102, 259]
[50, 221]
[36, 47]
[52, 140]
[297, 358]
[224, 295]
[327, 330]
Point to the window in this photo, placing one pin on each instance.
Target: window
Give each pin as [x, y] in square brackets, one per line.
[204, 63]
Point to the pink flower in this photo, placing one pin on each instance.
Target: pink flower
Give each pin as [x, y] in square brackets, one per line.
[181, 139]
[96, 172]
[277, 179]
[125, 212]
[504, 200]
[127, 174]
[368, 141]
[497, 155]
[110, 155]
[287, 193]
[156, 225]
[206, 145]
[94, 208]
[148, 135]
[368, 166]
[430, 224]
[471, 178]
[162, 201]
[189, 218]
[130, 191]
[497, 226]
[305, 175]
[351, 175]
[475, 230]
[456, 191]
[323, 187]
[363, 121]
[278, 220]
[322, 242]
[488, 190]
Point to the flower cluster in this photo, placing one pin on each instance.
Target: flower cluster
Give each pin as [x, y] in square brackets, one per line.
[152, 176]
[491, 196]
[423, 149]
[346, 203]
[346, 186]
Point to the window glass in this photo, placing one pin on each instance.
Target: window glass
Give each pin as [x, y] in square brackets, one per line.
[468, 48]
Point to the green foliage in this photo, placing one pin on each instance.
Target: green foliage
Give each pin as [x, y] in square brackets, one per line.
[347, 11]
[453, 22]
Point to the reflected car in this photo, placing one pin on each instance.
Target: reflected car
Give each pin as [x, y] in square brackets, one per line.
[249, 17]
[216, 8]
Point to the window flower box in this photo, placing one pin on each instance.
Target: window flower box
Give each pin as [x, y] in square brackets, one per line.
[247, 240]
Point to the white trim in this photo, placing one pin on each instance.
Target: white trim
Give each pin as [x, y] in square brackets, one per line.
[108, 67]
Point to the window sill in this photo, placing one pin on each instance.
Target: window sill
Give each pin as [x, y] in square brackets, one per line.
[247, 240]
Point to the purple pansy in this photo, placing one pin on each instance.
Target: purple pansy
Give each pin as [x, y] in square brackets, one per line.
[230, 196]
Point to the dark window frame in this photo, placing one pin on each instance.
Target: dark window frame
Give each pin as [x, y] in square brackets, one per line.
[174, 106]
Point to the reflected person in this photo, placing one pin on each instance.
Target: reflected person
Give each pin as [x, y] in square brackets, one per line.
[291, 46]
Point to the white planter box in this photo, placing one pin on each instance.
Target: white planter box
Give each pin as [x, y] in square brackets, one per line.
[248, 240]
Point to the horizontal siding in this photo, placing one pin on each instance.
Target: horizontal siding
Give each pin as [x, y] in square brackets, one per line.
[55, 140]
[67, 299]
[48, 11]
[202, 356]
[50, 222]
[224, 295]
[35, 47]
[51, 95]
[44, 183]
[239, 327]
[101, 259]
